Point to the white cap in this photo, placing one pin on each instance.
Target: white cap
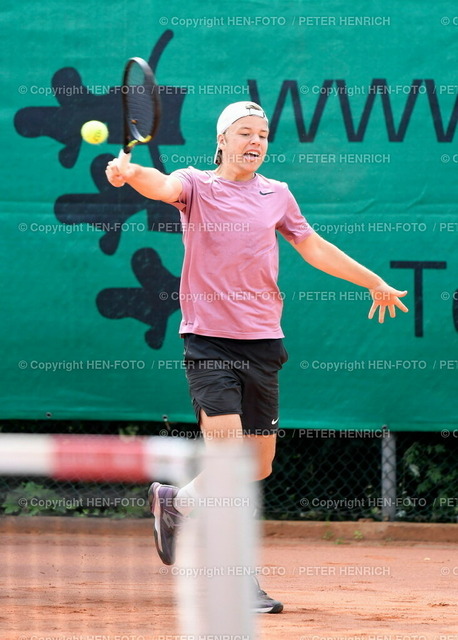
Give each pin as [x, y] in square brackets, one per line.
[231, 114]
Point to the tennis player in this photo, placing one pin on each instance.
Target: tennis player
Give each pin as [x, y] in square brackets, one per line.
[230, 301]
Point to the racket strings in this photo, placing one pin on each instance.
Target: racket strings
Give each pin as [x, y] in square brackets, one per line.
[140, 94]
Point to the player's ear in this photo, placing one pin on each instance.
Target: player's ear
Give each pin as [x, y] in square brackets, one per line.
[221, 140]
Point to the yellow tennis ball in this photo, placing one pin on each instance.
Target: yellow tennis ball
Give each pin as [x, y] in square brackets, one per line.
[94, 132]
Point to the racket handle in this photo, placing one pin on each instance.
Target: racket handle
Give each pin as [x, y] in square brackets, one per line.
[123, 160]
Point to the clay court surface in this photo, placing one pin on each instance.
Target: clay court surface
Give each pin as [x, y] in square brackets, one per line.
[77, 579]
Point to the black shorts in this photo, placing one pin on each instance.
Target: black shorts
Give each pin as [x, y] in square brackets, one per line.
[229, 376]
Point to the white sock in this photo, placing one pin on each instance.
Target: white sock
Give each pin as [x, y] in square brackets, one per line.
[186, 499]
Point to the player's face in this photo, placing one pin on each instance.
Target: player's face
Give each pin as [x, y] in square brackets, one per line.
[244, 144]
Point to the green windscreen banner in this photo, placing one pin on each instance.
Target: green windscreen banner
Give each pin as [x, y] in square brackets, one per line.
[363, 109]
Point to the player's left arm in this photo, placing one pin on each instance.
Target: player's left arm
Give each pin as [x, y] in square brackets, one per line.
[325, 256]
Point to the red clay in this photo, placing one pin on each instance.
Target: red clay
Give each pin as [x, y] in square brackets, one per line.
[80, 579]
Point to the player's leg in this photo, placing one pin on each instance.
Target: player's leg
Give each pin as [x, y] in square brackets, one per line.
[169, 504]
[225, 427]
[264, 447]
[217, 429]
[220, 428]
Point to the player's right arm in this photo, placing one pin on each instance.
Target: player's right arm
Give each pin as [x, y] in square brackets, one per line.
[148, 181]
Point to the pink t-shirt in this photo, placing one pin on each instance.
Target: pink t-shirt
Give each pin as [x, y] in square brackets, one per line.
[229, 279]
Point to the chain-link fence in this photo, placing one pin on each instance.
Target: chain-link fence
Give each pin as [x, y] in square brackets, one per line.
[340, 475]
[317, 475]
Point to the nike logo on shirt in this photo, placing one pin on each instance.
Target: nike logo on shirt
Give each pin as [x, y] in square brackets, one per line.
[275, 421]
[265, 193]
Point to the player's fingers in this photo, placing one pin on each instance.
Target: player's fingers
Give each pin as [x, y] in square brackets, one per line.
[401, 306]
[381, 313]
[114, 166]
[392, 310]
[125, 174]
[372, 310]
[113, 176]
[114, 179]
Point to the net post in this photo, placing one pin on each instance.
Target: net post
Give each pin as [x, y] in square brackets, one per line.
[388, 467]
[217, 555]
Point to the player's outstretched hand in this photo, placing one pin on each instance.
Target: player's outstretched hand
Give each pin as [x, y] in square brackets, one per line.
[115, 177]
[384, 296]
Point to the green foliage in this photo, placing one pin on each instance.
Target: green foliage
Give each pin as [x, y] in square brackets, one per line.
[32, 499]
[47, 499]
[430, 483]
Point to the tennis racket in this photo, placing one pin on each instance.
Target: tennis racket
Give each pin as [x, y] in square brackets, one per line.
[141, 107]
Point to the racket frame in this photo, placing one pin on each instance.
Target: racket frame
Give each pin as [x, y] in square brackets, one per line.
[132, 136]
